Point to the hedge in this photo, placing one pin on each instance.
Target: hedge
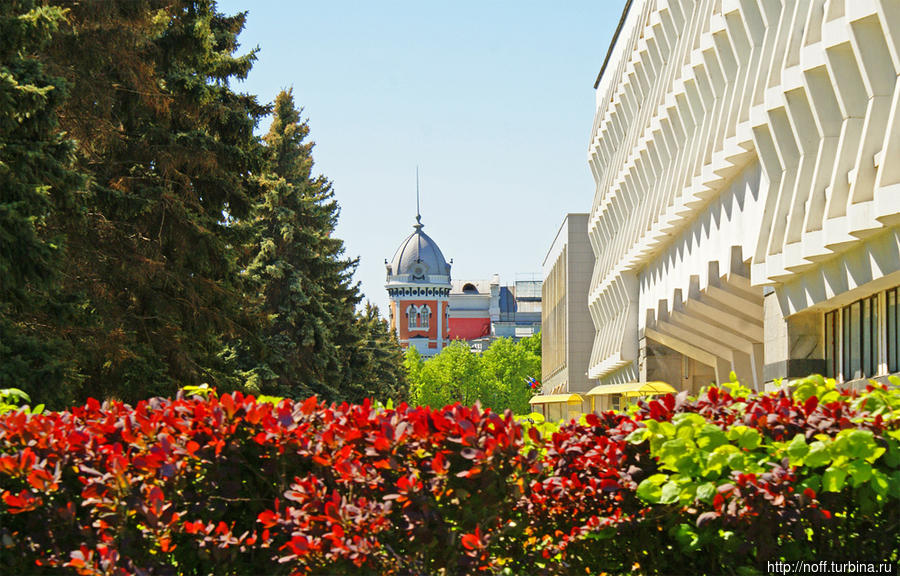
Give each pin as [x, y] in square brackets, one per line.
[721, 483]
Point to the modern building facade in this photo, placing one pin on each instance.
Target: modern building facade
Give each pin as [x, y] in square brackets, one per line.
[567, 330]
[418, 284]
[746, 216]
[520, 308]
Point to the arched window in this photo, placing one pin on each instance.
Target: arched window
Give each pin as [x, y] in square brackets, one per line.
[412, 314]
[426, 314]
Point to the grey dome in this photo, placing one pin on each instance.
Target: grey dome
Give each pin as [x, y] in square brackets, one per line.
[420, 257]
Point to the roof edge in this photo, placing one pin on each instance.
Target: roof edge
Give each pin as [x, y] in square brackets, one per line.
[612, 43]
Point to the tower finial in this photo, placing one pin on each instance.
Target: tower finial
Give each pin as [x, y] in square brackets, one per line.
[418, 215]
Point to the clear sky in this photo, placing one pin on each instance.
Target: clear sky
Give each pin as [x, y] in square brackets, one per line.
[492, 100]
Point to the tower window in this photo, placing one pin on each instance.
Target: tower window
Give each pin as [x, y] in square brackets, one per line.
[418, 316]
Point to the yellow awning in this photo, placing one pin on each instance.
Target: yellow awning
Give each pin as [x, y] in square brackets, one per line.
[554, 398]
[632, 389]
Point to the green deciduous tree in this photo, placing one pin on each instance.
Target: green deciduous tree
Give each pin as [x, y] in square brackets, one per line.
[495, 378]
[505, 366]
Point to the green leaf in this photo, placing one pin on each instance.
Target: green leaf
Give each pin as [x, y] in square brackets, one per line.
[892, 457]
[880, 483]
[670, 492]
[736, 461]
[716, 461]
[894, 485]
[638, 436]
[674, 448]
[667, 429]
[650, 489]
[797, 450]
[819, 454]
[706, 492]
[688, 419]
[750, 439]
[833, 479]
[814, 482]
[711, 437]
[860, 471]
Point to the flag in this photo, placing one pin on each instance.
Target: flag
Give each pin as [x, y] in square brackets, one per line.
[532, 382]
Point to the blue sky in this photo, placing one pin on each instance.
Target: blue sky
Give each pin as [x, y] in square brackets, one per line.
[492, 100]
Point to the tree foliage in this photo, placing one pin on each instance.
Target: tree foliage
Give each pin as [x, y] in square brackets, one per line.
[496, 378]
[314, 341]
[169, 151]
[149, 239]
[36, 179]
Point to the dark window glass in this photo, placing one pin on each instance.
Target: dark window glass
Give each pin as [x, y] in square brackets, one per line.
[893, 324]
[845, 344]
[865, 337]
[831, 344]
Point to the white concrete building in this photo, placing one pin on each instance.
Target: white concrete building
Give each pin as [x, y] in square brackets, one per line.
[746, 217]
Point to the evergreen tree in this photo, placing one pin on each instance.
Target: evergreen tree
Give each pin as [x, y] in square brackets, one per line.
[35, 179]
[376, 361]
[171, 155]
[306, 287]
[316, 342]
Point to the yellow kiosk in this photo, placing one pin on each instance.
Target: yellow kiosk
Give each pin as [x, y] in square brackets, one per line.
[622, 392]
[554, 407]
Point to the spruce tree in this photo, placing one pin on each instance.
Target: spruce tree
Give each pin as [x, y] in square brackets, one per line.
[171, 155]
[305, 283]
[36, 179]
[375, 364]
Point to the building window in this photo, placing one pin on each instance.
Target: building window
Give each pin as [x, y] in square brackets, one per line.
[831, 344]
[418, 316]
[892, 314]
[854, 345]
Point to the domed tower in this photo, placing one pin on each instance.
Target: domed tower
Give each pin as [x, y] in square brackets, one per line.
[418, 283]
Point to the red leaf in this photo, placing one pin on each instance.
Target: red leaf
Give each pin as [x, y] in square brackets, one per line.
[309, 405]
[472, 541]
[267, 518]
[298, 545]
[810, 405]
[438, 465]
[41, 480]
[718, 500]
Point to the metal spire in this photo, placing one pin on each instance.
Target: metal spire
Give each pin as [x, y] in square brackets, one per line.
[418, 215]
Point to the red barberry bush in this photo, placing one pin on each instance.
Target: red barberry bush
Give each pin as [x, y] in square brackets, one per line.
[722, 483]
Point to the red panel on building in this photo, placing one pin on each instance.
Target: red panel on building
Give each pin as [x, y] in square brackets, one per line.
[469, 328]
[403, 320]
